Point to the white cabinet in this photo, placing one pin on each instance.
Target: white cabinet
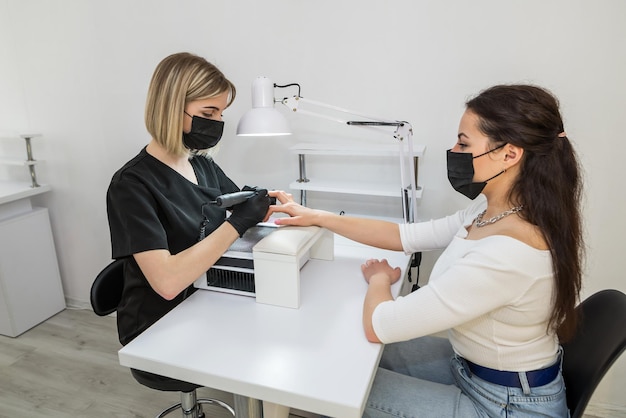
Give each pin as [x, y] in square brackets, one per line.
[30, 284]
[352, 183]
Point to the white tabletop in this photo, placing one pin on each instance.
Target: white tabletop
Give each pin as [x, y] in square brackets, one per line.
[314, 358]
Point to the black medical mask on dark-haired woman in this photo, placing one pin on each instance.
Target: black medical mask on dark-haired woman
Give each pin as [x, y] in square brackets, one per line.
[461, 173]
[204, 134]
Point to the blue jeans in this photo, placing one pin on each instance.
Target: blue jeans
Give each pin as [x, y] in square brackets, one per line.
[424, 378]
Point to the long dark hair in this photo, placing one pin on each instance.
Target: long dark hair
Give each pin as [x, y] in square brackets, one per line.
[549, 184]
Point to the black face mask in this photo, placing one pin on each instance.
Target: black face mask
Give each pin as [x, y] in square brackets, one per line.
[461, 173]
[204, 134]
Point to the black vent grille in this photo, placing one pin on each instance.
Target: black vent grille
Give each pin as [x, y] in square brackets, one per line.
[230, 279]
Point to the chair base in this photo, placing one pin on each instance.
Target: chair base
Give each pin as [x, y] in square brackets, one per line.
[191, 407]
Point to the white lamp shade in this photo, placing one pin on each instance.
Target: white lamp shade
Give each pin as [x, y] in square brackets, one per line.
[263, 119]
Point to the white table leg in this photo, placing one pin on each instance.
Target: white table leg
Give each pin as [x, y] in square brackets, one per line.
[272, 410]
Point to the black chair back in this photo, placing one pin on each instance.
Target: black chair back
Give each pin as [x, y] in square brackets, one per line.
[106, 290]
[599, 341]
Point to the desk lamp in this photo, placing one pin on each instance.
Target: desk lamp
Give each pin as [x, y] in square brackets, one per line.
[265, 120]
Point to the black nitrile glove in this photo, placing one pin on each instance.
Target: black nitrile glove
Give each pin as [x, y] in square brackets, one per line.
[250, 212]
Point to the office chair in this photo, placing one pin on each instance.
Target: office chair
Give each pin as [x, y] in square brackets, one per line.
[598, 343]
[106, 293]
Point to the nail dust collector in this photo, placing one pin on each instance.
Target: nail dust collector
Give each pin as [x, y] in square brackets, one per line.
[266, 263]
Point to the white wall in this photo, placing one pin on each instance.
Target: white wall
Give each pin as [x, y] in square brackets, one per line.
[78, 72]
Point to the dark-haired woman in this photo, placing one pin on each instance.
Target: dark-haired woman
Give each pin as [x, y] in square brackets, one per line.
[506, 285]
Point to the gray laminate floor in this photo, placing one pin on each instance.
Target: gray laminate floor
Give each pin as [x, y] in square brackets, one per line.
[68, 367]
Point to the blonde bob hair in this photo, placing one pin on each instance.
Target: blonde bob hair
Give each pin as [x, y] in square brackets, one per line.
[177, 80]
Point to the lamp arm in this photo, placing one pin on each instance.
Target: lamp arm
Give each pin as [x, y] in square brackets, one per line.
[343, 110]
[293, 103]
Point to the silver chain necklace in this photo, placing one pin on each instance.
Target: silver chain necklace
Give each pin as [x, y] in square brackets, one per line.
[479, 219]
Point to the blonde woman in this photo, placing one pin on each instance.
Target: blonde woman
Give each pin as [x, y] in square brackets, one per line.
[160, 218]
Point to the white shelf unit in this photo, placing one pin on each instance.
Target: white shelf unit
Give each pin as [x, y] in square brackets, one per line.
[30, 162]
[30, 281]
[351, 185]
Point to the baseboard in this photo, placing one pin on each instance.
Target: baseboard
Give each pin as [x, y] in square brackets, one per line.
[81, 304]
[72, 303]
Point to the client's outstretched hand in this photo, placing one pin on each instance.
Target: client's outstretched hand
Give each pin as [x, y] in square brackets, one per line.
[299, 215]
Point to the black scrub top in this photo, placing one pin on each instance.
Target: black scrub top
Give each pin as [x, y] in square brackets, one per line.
[151, 206]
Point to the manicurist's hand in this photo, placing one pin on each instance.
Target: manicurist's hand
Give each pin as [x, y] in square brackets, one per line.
[252, 211]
